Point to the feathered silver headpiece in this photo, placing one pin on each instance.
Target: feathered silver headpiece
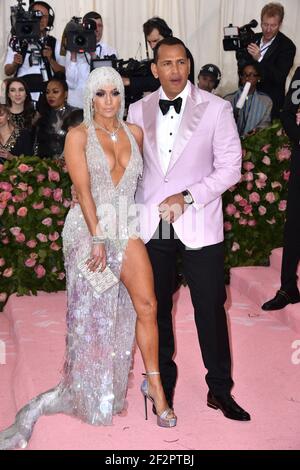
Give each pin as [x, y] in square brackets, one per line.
[99, 78]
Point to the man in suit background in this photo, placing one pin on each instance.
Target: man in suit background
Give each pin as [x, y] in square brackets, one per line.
[289, 292]
[192, 154]
[275, 52]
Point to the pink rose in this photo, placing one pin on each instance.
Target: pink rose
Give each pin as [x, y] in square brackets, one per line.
[270, 197]
[251, 223]
[15, 231]
[227, 226]
[262, 210]
[254, 198]
[8, 272]
[5, 241]
[42, 238]
[235, 246]
[5, 196]
[2, 262]
[22, 212]
[282, 205]
[23, 168]
[47, 221]
[266, 160]
[47, 192]
[1, 167]
[20, 238]
[242, 221]
[61, 276]
[55, 210]
[53, 175]
[265, 148]
[230, 209]
[1, 210]
[57, 194]
[286, 175]
[243, 202]
[31, 244]
[248, 176]
[40, 271]
[30, 190]
[30, 263]
[262, 177]
[11, 210]
[3, 295]
[249, 186]
[60, 222]
[248, 166]
[66, 203]
[237, 215]
[5, 186]
[247, 209]
[22, 186]
[272, 221]
[283, 154]
[19, 197]
[40, 178]
[260, 184]
[238, 198]
[38, 205]
[12, 178]
[53, 236]
[54, 246]
[276, 184]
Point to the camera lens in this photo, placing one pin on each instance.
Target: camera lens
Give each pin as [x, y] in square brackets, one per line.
[27, 29]
[80, 41]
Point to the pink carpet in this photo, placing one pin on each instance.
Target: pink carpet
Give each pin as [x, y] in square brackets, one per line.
[266, 370]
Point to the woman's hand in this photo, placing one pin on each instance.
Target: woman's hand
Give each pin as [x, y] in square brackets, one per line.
[5, 154]
[97, 257]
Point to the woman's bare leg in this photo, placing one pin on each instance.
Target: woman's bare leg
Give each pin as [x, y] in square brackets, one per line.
[137, 277]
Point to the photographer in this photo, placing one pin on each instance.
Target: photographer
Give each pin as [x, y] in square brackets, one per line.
[78, 65]
[36, 61]
[275, 52]
[155, 29]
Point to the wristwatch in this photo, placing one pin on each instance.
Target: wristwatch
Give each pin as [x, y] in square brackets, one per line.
[187, 197]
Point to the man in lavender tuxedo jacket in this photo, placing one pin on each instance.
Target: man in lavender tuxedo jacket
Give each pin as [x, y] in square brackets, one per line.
[192, 154]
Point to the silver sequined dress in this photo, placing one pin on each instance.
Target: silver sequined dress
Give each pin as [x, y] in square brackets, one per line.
[100, 327]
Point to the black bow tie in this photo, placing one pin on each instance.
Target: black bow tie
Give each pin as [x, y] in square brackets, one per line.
[166, 104]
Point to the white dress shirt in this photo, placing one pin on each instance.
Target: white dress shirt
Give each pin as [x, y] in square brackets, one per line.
[77, 73]
[167, 127]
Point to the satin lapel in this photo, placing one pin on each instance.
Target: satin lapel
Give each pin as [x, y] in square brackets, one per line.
[150, 108]
[193, 113]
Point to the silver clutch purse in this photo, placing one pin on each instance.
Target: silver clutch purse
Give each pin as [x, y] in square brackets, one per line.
[100, 281]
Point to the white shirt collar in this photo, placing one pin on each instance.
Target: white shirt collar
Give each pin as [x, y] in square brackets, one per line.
[184, 94]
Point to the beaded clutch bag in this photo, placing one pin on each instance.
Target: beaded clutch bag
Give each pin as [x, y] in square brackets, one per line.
[100, 281]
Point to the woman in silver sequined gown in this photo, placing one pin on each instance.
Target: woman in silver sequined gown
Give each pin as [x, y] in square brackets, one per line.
[104, 166]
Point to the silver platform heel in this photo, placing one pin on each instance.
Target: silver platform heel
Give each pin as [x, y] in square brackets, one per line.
[162, 419]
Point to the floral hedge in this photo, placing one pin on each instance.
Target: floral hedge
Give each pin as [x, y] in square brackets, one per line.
[34, 199]
[35, 196]
[254, 210]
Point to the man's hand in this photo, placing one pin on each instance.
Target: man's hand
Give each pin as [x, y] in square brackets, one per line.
[254, 51]
[172, 208]
[18, 59]
[47, 52]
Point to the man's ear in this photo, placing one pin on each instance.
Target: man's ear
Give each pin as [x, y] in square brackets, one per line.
[154, 70]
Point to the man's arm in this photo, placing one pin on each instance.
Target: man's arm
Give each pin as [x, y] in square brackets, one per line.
[227, 152]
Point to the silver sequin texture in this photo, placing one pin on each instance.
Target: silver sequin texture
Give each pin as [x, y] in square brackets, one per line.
[100, 328]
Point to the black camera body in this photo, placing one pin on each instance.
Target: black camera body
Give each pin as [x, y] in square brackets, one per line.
[237, 39]
[25, 25]
[80, 35]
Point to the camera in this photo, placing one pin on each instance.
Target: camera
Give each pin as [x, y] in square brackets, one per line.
[80, 35]
[237, 39]
[25, 25]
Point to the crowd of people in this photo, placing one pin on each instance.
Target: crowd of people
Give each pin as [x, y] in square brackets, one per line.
[151, 160]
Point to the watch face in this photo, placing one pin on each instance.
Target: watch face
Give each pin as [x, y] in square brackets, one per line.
[188, 198]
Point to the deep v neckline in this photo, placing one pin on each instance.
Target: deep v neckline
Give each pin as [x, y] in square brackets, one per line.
[105, 159]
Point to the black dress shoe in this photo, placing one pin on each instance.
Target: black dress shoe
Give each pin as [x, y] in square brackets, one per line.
[228, 406]
[281, 300]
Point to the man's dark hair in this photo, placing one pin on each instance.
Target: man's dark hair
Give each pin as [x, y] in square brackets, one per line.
[170, 41]
[159, 24]
[92, 15]
[255, 65]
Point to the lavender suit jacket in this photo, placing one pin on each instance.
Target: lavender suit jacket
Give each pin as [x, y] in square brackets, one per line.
[206, 160]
